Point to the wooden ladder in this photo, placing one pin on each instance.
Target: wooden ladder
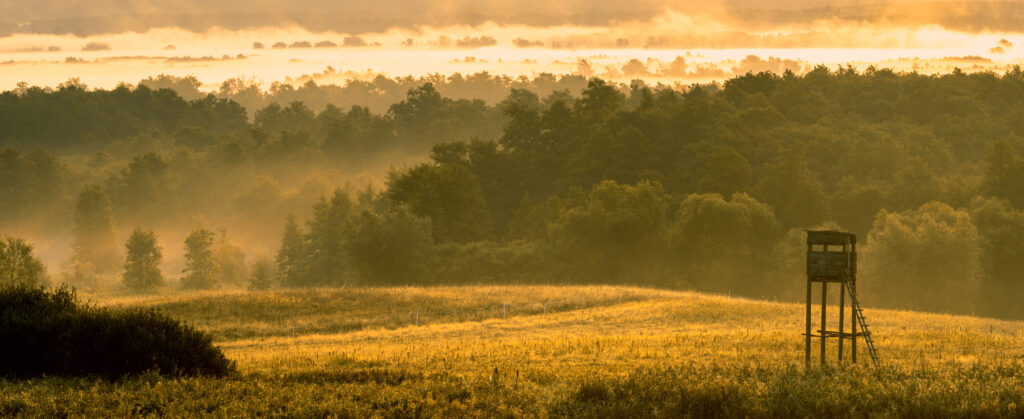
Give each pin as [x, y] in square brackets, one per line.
[863, 322]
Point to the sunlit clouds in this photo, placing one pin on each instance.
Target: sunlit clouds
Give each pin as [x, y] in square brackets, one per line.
[672, 47]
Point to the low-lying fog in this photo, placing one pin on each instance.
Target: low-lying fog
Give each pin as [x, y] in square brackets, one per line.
[670, 47]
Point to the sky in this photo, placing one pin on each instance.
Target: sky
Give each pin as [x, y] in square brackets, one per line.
[107, 42]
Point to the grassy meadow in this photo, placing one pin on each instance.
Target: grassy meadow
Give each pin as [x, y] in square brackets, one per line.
[542, 351]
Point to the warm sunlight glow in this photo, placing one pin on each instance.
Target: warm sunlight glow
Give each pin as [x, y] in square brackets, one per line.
[512, 208]
[710, 48]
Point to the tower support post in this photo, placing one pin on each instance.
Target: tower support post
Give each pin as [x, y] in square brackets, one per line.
[824, 318]
[853, 329]
[842, 325]
[832, 258]
[807, 335]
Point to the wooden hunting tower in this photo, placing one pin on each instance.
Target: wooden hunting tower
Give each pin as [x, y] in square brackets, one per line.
[832, 258]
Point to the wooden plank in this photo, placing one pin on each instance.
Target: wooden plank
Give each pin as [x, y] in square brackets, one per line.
[838, 238]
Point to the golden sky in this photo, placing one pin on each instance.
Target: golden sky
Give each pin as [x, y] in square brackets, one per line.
[659, 41]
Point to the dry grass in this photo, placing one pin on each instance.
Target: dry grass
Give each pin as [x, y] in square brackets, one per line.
[239, 314]
[597, 351]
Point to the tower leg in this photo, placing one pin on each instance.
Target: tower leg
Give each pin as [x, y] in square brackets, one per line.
[842, 325]
[853, 329]
[807, 336]
[824, 305]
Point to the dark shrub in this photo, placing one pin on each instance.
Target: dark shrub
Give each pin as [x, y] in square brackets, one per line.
[50, 333]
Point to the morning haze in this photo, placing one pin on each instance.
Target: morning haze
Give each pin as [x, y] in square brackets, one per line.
[464, 209]
[92, 17]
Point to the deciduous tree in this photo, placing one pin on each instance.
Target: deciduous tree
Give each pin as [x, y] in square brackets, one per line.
[142, 264]
[95, 241]
[17, 263]
[201, 268]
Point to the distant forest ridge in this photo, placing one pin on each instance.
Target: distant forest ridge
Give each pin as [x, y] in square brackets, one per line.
[708, 187]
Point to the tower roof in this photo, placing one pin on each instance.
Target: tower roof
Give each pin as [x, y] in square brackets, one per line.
[830, 237]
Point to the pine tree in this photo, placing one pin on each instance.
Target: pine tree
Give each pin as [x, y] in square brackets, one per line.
[261, 275]
[142, 265]
[95, 242]
[325, 240]
[291, 256]
[200, 260]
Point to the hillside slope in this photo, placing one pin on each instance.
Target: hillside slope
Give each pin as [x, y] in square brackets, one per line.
[633, 325]
[539, 351]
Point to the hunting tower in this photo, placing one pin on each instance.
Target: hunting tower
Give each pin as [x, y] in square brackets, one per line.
[832, 258]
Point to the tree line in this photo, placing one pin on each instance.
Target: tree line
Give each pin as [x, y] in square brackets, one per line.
[707, 187]
[376, 94]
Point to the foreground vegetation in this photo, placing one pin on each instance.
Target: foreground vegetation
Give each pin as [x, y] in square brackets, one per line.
[50, 332]
[597, 351]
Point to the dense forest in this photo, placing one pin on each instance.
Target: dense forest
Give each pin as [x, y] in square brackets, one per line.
[375, 92]
[708, 187]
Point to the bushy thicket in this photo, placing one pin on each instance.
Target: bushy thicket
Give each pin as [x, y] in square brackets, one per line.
[49, 332]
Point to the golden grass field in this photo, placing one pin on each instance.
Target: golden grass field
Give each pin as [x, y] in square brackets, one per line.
[540, 351]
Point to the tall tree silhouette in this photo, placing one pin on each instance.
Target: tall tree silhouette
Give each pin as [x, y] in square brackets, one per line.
[142, 264]
[95, 241]
[200, 261]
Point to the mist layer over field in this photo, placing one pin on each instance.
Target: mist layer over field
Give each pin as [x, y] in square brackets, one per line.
[674, 42]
